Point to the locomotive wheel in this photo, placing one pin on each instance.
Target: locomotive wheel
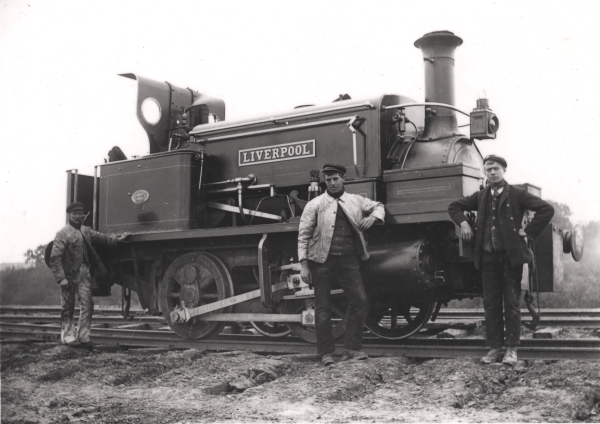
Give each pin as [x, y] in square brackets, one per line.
[399, 322]
[308, 333]
[194, 279]
[271, 329]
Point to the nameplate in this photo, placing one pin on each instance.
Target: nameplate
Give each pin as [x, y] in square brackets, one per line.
[280, 152]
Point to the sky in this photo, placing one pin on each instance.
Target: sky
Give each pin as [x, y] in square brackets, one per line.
[62, 105]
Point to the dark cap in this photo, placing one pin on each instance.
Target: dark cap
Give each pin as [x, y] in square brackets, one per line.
[495, 158]
[75, 207]
[334, 167]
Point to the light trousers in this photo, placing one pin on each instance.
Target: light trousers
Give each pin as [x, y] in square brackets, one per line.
[80, 287]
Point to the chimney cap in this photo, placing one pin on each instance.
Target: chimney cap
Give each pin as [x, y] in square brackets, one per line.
[439, 36]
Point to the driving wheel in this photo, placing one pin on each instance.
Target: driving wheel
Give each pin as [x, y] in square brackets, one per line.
[308, 332]
[195, 279]
[400, 321]
[271, 329]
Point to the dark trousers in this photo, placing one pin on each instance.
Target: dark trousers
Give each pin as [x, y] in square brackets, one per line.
[501, 285]
[345, 269]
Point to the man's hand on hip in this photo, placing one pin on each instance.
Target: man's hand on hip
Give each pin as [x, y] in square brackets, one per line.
[64, 282]
[306, 275]
[466, 233]
[367, 223]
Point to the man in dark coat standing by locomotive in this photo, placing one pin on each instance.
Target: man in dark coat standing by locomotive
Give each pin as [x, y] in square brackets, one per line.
[330, 241]
[71, 260]
[500, 252]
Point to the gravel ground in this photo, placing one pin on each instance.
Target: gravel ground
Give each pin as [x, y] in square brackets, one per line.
[47, 383]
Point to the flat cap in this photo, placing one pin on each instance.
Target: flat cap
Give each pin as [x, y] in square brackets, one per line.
[334, 167]
[75, 207]
[495, 158]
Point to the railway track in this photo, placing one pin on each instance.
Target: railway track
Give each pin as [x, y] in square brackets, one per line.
[447, 318]
[444, 313]
[141, 335]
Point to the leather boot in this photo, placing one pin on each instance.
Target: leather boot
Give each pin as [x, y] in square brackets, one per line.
[494, 355]
[510, 357]
[327, 360]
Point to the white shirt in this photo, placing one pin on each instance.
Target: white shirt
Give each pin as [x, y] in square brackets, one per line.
[499, 190]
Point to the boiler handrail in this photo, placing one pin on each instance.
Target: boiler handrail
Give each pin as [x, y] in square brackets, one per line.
[405, 105]
[278, 119]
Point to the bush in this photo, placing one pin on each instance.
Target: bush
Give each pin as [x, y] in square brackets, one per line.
[36, 286]
[580, 288]
[28, 286]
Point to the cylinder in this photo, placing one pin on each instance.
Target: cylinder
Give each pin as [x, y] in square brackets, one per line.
[403, 267]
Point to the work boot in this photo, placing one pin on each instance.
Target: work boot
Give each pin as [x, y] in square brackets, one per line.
[70, 340]
[494, 355]
[510, 357]
[327, 360]
[354, 354]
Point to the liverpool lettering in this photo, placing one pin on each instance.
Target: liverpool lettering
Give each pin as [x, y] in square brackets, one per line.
[289, 151]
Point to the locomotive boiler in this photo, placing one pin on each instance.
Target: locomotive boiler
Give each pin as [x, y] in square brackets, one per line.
[214, 208]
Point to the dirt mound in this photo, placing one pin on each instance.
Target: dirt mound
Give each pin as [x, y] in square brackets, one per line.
[46, 383]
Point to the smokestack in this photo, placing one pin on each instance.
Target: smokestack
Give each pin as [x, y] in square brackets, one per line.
[438, 56]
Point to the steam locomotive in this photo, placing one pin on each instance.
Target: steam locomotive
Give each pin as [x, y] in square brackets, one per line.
[214, 208]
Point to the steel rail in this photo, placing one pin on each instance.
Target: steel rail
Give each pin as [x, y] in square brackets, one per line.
[40, 309]
[458, 322]
[467, 313]
[592, 342]
[107, 319]
[545, 321]
[549, 312]
[444, 322]
[552, 349]
[116, 332]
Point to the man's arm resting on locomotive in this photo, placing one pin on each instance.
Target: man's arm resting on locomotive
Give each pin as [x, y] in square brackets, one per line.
[308, 222]
[98, 237]
[543, 213]
[456, 211]
[58, 250]
[376, 213]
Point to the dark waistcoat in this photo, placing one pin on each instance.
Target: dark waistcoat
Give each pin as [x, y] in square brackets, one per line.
[342, 242]
[492, 238]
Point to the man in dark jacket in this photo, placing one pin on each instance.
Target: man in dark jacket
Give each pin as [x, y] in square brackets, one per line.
[71, 260]
[501, 251]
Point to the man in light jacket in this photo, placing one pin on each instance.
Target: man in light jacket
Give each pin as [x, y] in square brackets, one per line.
[330, 241]
[71, 261]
